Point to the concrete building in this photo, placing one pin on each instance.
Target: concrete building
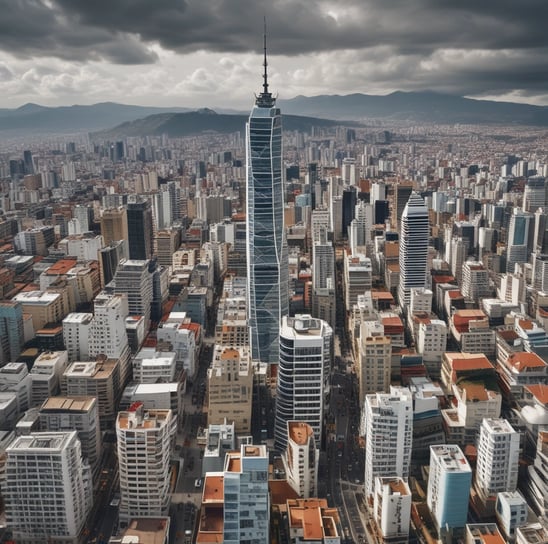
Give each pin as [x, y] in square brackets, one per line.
[114, 225]
[475, 281]
[312, 520]
[301, 458]
[511, 511]
[392, 510]
[151, 366]
[374, 364]
[144, 448]
[44, 307]
[448, 490]
[48, 488]
[76, 335]
[46, 375]
[303, 371]
[176, 335]
[498, 457]
[219, 440]
[432, 343]
[230, 388]
[149, 530]
[75, 413]
[85, 247]
[389, 430]
[358, 277]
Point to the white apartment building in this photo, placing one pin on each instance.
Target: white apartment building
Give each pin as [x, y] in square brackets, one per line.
[48, 488]
[389, 432]
[151, 366]
[475, 281]
[498, 457]
[511, 510]
[46, 375]
[301, 459]
[303, 371]
[421, 300]
[392, 509]
[180, 339]
[144, 447]
[432, 343]
[76, 335]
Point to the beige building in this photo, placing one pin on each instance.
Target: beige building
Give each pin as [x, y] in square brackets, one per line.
[44, 307]
[374, 364]
[114, 225]
[232, 329]
[100, 379]
[167, 243]
[230, 388]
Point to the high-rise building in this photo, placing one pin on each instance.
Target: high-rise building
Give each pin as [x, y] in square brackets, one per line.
[267, 261]
[520, 238]
[374, 364]
[139, 226]
[11, 331]
[114, 225]
[389, 432]
[475, 281]
[392, 509]
[413, 248]
[48, 488]
[534, 194]
[144, 447]
[303, 370]
[498, 457]
[448, 489]
[134, 279]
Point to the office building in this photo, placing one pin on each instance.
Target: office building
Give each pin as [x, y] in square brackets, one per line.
[109, 257]
[520, 239]
[48, 489]
[448, 490]
[358, 277]
[12, 335]
[144, 447]
[267, 264]
[303, 371]
[151, 366]
[139, 227]
[389, 430]
[312, 520]
[511, 511]
[414, 236]
[475, 281]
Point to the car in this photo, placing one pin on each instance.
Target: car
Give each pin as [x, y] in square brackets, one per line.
[198, 482]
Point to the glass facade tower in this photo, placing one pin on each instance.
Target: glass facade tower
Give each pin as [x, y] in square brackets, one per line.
[267, 267]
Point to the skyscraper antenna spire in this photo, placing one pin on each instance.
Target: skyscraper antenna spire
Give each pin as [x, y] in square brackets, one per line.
[265, 100]
[265, 63]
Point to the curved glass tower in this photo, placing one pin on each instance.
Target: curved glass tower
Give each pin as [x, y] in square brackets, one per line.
[267, 267]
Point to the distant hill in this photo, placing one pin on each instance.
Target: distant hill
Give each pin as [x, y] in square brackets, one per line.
[41, 119]
[186, 124]
[307, 111]
[417, 106]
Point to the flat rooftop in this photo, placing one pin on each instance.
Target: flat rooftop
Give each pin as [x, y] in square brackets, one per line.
[146, 531]
[68, 404]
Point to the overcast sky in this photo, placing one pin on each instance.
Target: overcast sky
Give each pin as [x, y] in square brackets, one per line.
[208, 52]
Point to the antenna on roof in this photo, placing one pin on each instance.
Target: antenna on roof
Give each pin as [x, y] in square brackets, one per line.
[265, 64]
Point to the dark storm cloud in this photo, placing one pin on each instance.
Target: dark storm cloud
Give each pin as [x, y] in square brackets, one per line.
[122, 31]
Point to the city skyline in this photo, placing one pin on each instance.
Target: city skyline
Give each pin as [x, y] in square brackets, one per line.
[56, 52]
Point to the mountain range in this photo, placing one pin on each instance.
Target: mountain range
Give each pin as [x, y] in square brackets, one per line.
[324, 110]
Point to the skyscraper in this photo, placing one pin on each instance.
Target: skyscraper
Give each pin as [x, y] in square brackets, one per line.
[267, 268]
[413, 247]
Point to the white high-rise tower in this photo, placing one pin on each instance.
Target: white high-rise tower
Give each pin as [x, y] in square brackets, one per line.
[413, 247]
